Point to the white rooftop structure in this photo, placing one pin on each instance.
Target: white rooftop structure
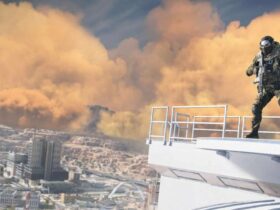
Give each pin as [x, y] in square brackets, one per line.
[205, 163]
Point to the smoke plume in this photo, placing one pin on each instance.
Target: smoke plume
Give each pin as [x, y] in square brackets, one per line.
[197, 61]
[53, 69]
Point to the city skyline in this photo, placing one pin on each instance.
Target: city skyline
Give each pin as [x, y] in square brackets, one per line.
[103, 172]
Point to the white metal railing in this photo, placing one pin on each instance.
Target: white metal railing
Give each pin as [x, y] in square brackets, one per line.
[189, 126]
[161, 122]
[174, 121]
[237, 130]
[243, 130]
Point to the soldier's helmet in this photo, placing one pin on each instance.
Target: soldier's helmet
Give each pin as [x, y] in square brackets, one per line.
[266, 45]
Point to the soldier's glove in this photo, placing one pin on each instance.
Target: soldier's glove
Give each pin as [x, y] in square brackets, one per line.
[249, 72]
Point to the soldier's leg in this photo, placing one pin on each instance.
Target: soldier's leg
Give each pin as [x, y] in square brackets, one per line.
[261, 101]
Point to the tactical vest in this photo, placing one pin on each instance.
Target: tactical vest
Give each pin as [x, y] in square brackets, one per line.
[269, 72]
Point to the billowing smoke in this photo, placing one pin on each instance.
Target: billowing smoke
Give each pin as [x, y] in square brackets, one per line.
[96, 112]
[196, 60]
[52, 69]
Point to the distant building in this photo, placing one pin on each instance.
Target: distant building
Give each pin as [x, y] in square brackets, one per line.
[36, 159]
[13, 198]
[32, 200]
[6, 131]
[2, 167]
[10, 198]
[13, 160]
[57, 186]
[3, 157]
[44, 161]
[53, 170]
[67, 198]
[20, 170]
[6, 198]
[74, 176]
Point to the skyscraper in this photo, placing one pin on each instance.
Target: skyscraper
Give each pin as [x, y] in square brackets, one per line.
[13, 160]
[53, 170]
[44, 160]
[36, 159]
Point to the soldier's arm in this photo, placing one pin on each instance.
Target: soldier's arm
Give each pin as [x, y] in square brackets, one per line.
[278, 51]
[252, 68]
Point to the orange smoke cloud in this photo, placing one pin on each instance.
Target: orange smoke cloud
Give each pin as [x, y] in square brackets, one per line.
[52, 68]
[179, 21]
[203, 62]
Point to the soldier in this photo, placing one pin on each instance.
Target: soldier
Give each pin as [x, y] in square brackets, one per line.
[266, 67]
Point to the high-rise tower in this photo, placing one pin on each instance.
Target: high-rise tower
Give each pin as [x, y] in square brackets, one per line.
[53, 169]
[36, 159]
[44, 160]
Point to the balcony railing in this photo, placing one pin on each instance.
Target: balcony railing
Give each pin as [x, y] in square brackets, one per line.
[178, 123]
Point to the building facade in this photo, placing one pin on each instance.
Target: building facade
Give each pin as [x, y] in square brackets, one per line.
[44, 161]
[14, 159]
[32, 200]
[36, 159]
[53, 170]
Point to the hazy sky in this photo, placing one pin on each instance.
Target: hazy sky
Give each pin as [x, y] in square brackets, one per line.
[115, 20]
[127, 55]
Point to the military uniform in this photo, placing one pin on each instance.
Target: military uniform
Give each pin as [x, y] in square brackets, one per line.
[267, 70]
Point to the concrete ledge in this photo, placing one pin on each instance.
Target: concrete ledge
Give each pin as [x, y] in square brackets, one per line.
[256, 146]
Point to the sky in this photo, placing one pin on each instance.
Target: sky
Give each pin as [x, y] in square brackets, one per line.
[59, 59]
[115, 20]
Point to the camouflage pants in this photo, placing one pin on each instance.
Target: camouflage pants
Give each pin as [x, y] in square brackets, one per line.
[261, 101]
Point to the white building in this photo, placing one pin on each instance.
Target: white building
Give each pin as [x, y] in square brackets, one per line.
[203, 172]
[13, 198]
[32, 200]
[13, 159]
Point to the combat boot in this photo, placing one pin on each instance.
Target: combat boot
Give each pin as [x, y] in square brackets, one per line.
[254, 134]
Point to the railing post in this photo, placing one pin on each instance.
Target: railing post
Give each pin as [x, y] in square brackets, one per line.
[187, 127]
[225, 119]
[151, 125]
[238, 127]
[176, 127]
[243, 126]
[165, 124]
[171, 127]
[193, 126]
